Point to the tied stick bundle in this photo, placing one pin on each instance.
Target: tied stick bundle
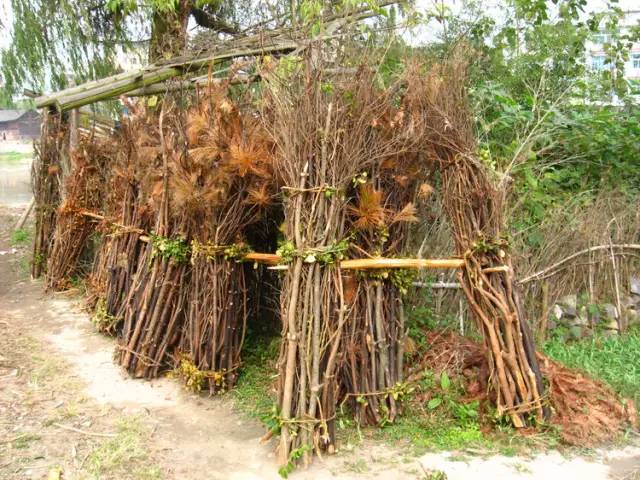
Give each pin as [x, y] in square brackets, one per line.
[325, 138]
[154, 310]
[84, 189]
[475, 206]
[45, 178]
[130, 204]
[228, 186]
[382, 211]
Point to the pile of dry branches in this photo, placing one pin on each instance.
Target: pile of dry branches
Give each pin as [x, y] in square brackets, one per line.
[475, 205]
[83, 191]
[587, 411]
[341, 334]
[45, 179]
[224, 185]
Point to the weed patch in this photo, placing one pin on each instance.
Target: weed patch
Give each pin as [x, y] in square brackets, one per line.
[20, 238]
[124, 456]
[14, 157]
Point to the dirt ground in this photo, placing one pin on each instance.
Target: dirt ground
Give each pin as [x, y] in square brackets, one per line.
[67, 412]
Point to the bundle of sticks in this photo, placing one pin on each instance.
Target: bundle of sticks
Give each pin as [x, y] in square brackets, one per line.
[45, 183]
[324, 163]
[226, 187]
[128, 213]
[474, 200]
[83, 190]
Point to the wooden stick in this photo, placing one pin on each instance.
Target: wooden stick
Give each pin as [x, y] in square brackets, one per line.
[84, 432]
[25, 214]
[622, 246]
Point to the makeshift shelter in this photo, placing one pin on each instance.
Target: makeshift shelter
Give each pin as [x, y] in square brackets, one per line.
[190, 193]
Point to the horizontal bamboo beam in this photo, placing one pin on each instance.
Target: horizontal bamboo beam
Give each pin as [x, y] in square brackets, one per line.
[383, 263]
[115, 89]
[120, 84]
[165, 87]
[353, 264]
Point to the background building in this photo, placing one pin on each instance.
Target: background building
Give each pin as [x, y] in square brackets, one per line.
[19, 124]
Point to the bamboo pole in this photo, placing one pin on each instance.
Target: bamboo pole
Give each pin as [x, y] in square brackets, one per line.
[378, 263]
[120, 84]
[351, 264]
[116, 89]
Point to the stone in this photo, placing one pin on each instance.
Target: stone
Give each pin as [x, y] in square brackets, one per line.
[609, 333]
[576, 332]
[610, 311]
[556, 312]
[569, 301]
[595, 316]
[551, 325]
[579, 321]
[632, 317]
[569, 311]
[630, 301]
[612, 325]
[634, 284]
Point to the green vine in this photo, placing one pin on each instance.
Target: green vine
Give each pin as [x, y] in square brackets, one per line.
[483, 245]
[328, 255]
[196, 379]
[295, 455]
[236, 251]
[401, 278]
[176, 249]
[103, 321]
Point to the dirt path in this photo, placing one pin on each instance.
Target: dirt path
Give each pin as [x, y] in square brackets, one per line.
[66, 412]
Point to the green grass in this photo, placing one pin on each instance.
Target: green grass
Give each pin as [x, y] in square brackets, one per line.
[254, 393]
[20, 238]
[24, 440]
[613, 360]
[14, 157]
[125, 456]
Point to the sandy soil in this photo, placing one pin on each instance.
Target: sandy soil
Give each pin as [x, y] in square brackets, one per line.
[66, 411]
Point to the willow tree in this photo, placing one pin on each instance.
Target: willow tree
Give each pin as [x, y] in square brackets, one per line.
[90, 38]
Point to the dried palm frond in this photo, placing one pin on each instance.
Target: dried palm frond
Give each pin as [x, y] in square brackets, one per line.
[259, 195]
[407, 214]
[369, 211]
[247, 158]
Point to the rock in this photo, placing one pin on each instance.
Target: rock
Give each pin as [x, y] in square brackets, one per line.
[610, 311]
[556, 312]
[632, 317]
[569, 311]
[594, 316]
[612, 325]
[634, 283]
[551, 324]
[569, 302]
[609, 333]
[630, 301]
[576, 332]
[579, 321]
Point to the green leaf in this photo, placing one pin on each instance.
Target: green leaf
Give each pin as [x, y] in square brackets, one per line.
[445, 383]
[434, 403]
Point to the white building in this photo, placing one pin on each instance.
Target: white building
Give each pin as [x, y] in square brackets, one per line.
[596, 54]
